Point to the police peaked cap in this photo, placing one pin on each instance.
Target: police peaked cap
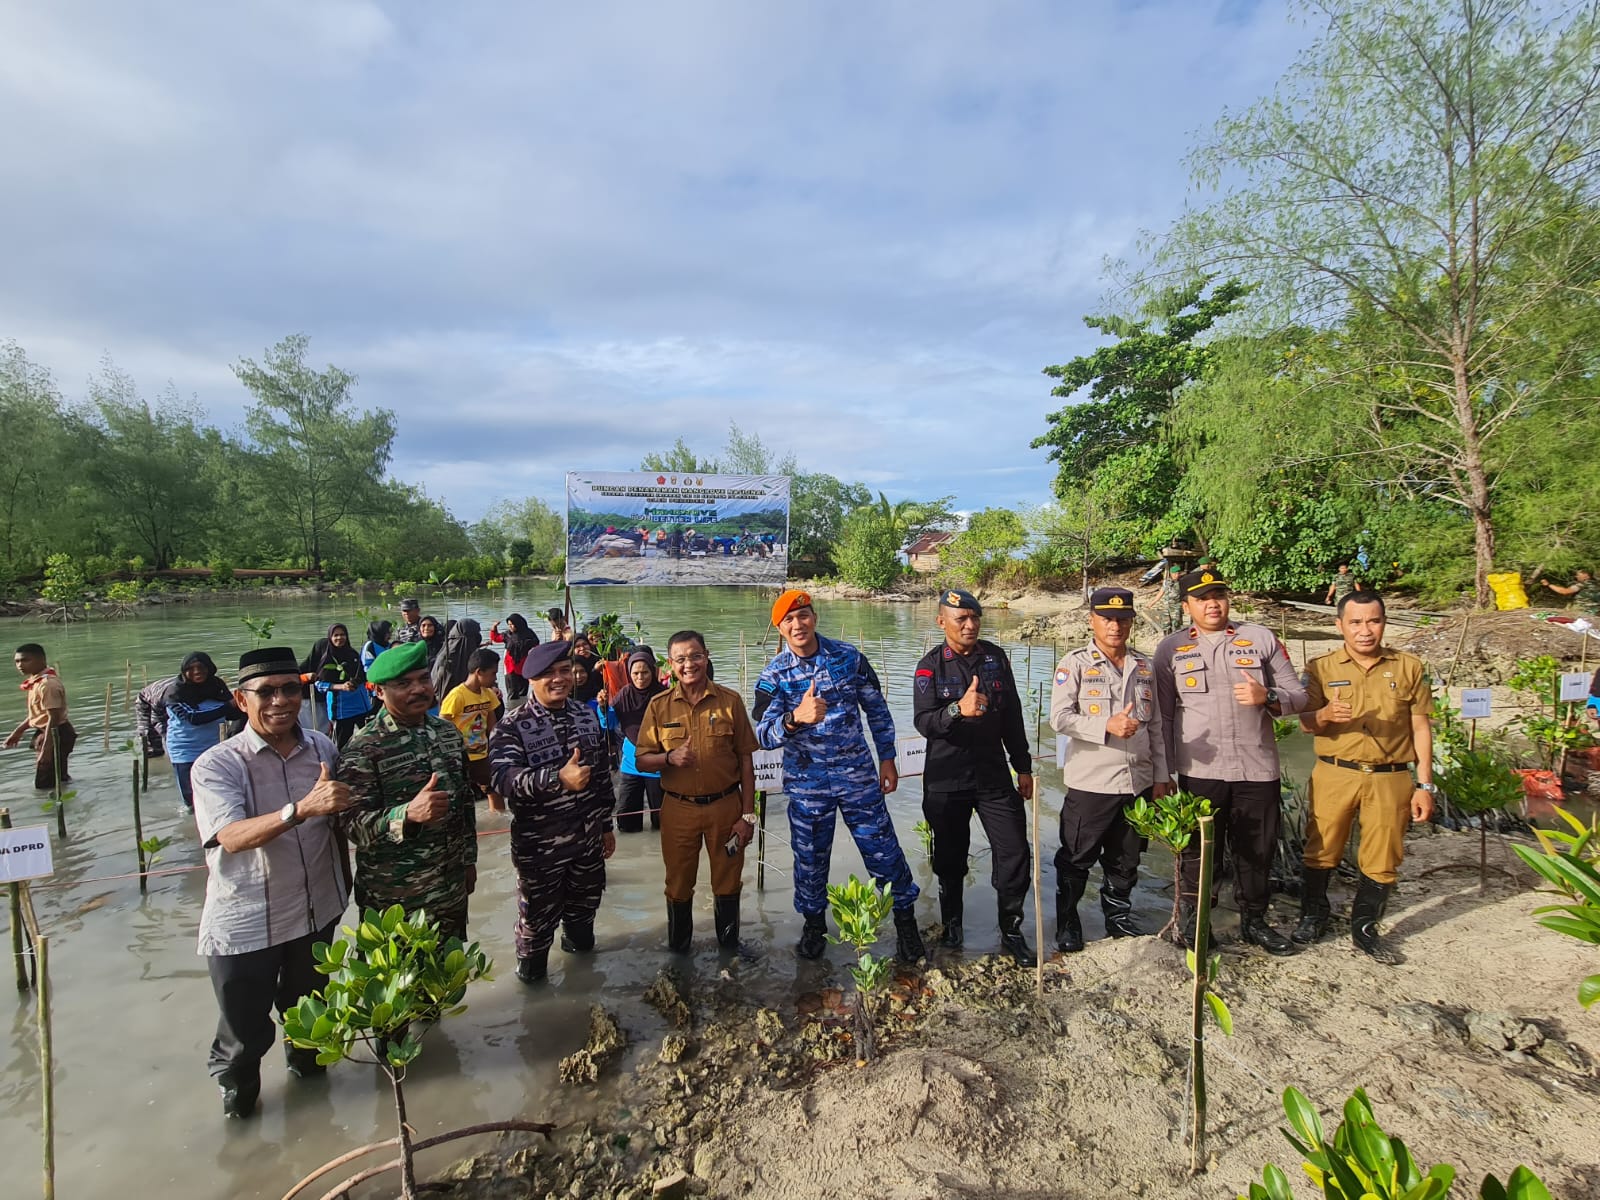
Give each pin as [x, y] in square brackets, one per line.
[1112, 602]
[1197, 583]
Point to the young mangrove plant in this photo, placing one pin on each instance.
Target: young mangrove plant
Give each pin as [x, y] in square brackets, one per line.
[860, 909]
[1478, 783]
[1171, 820]
[1362, 1162]
[1571, 863]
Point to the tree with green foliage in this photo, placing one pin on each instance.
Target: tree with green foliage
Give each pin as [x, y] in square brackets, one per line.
[876, 534]
[1421, 189]
[989, 541]
[32, 417]
[680, 460]
[315, 455]
[527, 533]
[818, 505]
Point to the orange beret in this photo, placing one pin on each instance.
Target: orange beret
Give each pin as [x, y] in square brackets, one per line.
[791, 599]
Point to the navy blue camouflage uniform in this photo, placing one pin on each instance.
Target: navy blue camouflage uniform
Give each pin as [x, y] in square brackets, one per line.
[556, 835]
[828, 769]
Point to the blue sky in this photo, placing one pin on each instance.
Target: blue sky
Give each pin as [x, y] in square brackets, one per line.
[556, 237]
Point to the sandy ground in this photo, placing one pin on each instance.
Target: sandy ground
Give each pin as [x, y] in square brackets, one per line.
[986, 1091]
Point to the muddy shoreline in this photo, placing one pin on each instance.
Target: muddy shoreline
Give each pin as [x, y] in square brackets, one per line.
[1474, 1049]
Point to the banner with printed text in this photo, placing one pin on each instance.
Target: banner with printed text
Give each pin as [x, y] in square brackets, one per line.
[664, 529]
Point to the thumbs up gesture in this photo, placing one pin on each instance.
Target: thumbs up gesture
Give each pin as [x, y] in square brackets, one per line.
[1337, 710]
[326, 797]
[1122, 724]
[812, 708]
[972, 702]
[575, 774]
[430, 804]
[1249, 691]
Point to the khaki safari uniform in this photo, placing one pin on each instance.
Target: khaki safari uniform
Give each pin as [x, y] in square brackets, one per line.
[701, 803]
[1362, 764]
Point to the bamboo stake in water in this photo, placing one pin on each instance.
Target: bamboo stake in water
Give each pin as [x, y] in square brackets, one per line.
[138, 832]
[1038, 901]
[761, 841]
[61, 805]
[18, 942]
[106, 739]
[47, 1083]
[127, 686]
[1202, 946]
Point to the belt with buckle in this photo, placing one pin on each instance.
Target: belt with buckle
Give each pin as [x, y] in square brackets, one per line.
[1364, 768]
[712, 799]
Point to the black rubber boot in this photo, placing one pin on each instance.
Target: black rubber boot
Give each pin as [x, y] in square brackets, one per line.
[1117, 905]
[1011, 939]
[1069, 928]
[1314, 907]
[1365, 909]
[1254, 929]
[726, 918]
[535, 967]
[240, 1088]
[814, 937]
[950, 911]
[680, 925]
[302, 1063]
[908, 947]
[577, 937]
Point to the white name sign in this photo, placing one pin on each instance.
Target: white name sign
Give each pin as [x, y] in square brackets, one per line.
[910, 754]
[1476, 702]
[25, 854]
[1574, 685]
[769, 770]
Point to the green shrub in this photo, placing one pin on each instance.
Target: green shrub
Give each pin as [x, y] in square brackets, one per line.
[63, 580]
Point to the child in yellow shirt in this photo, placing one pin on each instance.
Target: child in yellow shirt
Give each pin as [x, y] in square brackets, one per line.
[473, 707]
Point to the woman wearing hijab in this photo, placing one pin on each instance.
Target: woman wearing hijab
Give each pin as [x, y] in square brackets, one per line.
[334, 670]
[449, 668]
[378, 634]
[431, 634]
[638, 791]
[196, 701]
[518, 639]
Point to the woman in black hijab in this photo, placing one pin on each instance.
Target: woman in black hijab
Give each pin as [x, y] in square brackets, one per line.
[333, 668]
[431, 634]
[378, 634]
[449, 668]
[638, 791]
[190, 708]
[518, 640]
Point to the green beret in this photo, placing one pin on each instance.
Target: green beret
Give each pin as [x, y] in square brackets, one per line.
[397, 661]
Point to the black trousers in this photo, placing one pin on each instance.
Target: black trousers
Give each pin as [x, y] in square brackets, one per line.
[1094, 828]
[1000, 809]
[50, 755]
[1247, 818]
[247, 987]
[516, 688]
[636, 796]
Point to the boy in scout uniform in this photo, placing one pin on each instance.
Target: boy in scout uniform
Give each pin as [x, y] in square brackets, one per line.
[1369, 707]
[698, 736]
[1219, 684]
[1103, 699]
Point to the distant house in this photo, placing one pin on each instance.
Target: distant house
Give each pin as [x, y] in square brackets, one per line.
[923, 554]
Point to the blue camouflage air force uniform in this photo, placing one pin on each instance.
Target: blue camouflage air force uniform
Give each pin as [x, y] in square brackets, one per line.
[556, 835]
[827, 768]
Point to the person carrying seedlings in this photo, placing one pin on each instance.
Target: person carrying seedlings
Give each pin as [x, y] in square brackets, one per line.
[1219, 684]
[277, 882]
[1103, 700]
[473, 708]
[809, 700]
[698, 736]
[548, 759]
[966, 705]
[414, 821]
[53, 736]
[1371, 709]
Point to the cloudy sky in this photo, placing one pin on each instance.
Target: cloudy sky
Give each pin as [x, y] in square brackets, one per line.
[559, 236]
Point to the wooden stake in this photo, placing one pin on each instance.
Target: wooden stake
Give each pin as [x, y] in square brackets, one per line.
[138, 832]
[1202, 946]
[761, 841]
[19, 955]
[127, 685]
[744, 664]
[105, 743]
[55, 763]
[47, 1084]
[1038, 901]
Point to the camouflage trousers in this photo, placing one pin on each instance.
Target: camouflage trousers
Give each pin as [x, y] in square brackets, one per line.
[557, 886]
[811, 826]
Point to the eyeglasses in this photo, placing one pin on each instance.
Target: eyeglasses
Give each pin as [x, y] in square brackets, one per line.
[687, 659]
[289, 691]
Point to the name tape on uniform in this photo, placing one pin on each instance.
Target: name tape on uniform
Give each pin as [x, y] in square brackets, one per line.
[910, 756]
[1574, 685]
[1476, 702]
[25, 854]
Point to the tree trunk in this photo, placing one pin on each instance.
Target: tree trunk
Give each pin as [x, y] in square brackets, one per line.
[408, 1168]
[1477, 481]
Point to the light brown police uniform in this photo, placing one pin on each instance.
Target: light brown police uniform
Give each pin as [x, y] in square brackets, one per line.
[701, 804]
[1382, 698]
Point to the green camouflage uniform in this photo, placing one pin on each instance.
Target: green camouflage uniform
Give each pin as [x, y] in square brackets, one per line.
[1343, 585]
[397, 861]
[1587, 597]
[1172, 612]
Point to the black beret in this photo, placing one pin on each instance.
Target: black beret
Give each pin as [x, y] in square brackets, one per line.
[1112, 601]
[543, 658]
[269, 660]
[957, 599]
[409, 605]
[1197, 583]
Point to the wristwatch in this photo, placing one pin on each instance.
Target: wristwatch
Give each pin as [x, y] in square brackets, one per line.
[1430, 788]
[749, 816]
[790, 725]
[954, 709]
[1272, 696]
[289, 814]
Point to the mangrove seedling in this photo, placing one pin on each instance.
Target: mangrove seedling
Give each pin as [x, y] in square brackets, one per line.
[1362, 1162]
[388, 975]
[924, 832]
[260, 629]
[1477, 783]
[860, 909]
[1171, 820]
[1571, 863]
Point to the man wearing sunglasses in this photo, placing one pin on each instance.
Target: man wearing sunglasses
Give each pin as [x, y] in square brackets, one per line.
[277, 880]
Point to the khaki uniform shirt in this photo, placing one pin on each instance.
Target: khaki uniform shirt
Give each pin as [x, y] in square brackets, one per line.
[1087, 690]
[44, 693]
[719, 729]
[1210, 735]
[1383, 698]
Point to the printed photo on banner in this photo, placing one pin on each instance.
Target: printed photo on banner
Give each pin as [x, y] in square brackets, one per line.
[660, 528]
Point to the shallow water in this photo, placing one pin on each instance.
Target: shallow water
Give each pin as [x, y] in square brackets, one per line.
[133, 1009]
